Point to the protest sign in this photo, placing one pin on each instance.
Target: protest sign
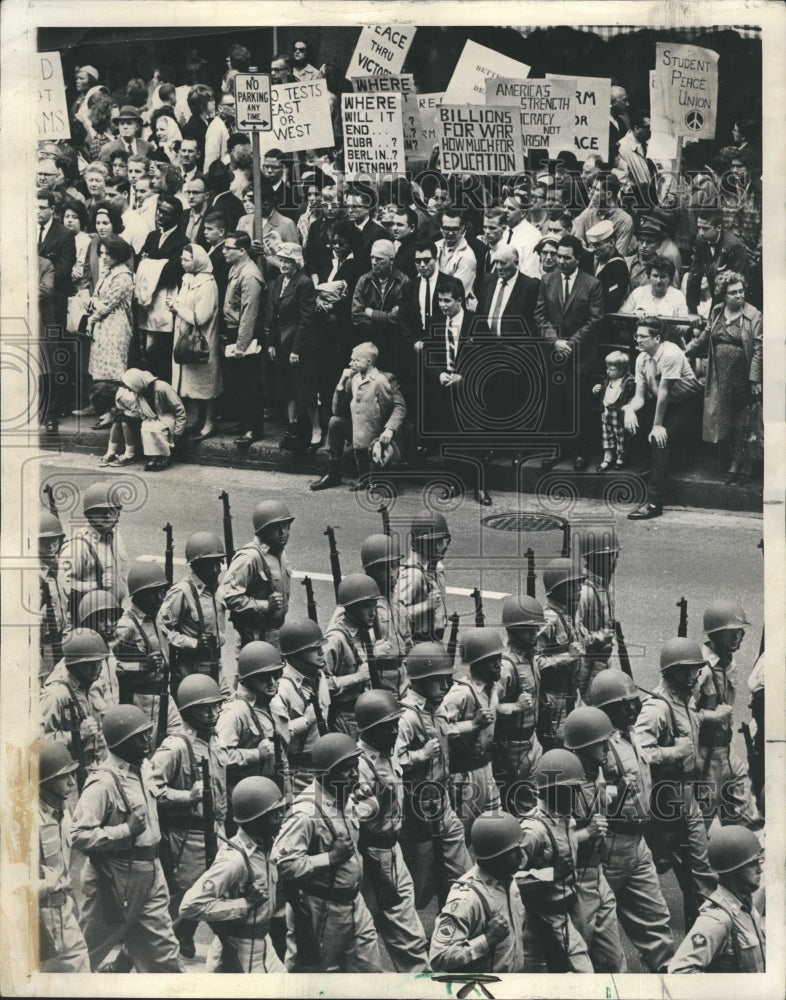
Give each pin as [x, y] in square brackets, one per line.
[547, 114]
[476, 63]
[480, 140]
[686, 89]
[591, 114]
[427, 106]
[301, 117]
[51, 111]
[381, 48]
[404, 84]
[373, 136]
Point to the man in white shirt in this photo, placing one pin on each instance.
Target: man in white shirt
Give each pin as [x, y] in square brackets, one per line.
[524, 235]
[189, 159]
[455, 257]
[217, 134]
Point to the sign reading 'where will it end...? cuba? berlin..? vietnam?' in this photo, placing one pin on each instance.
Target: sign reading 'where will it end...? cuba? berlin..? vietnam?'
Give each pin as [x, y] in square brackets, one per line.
[546, 110]
[373, 134]
[686, 87]
[484, 140]
[381, 48]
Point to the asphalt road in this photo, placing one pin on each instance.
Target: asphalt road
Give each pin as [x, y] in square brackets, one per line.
[700, 554]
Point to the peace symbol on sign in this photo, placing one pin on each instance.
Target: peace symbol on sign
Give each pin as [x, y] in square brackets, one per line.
[694, 120]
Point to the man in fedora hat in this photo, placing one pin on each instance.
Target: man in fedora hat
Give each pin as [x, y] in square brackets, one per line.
[129, 123]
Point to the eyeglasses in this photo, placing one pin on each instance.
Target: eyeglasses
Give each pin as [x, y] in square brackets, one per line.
[450, 229]
[300, 48]
[423, 261]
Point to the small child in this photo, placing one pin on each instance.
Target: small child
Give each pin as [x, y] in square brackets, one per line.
[618, 388]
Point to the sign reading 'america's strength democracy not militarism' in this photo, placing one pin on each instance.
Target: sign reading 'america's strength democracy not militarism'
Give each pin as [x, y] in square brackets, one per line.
[483, 140]
[546, 107]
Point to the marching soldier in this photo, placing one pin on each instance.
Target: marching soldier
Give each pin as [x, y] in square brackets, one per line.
[629, 868]
[348, 648]
[727, 775]
[548, 882]
[559, 650]
[728, 935]
[421, 581]
[177, 769]
[586, 733]
[236, 896]
[433, 836]
[470, 707]
[139, 647]
[95, 556]
[595, 613]
[303, 697]
[63, 947]
[329, 927]
[99, 611]
[481, 926]
[381, 559]
[256, 585]
[387, 884]
[55, 618]
[191, 618]
[667, 731]
[116, 825]
[518, 747]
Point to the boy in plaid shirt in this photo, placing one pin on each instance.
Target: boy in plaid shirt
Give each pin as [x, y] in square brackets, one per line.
[617, 389]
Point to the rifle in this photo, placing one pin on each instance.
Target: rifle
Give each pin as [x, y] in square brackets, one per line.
[566, 539]
[480, 619]
[163, 705]
[229, 542]
[311, 604]
[682, 628]
[368, 649]
[385, 519]
[335, 562]
[208, 814]
[77, 745]
[438, 846]
[453, 638]
[282, 768]
[755, 760]
[530, 573]
[49, 493]
[169, 555]
[622, 650]
[322, 725]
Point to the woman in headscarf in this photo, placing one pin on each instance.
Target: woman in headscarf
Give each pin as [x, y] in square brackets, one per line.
[165, 132]
[291, 339]
[196, 307]
[160, 411]
[86, 82]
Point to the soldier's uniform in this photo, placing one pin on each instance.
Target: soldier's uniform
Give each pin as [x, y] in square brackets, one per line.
[594, 617]
[343, 931]
[242, 927]
[629, 868]
[518, 748]
[459, 941]
[242, 725]
[416, 727]
[91, 560]
[253, 575]
[63, 694]
[395, 641]
[346, 649]
[294, 695]
[191, 613]
[66, 950]
[397, 921]
[416, 581]
[55, 620]
[559, 682]
[472, 780]
[728, 936]
[126, 897]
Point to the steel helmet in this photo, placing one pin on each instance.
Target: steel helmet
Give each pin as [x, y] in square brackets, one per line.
[83, 645]
[258, 658]
[297, 636]
[331, 750]
[49, 525]
[732, 847]
[560, 571]
[95, 601]
[585, 726]
[375, 707]
[599, 541]
[479, 643]
[681, 652]
[379, 548]
[427, 659]
[204, 545]
[270, 512]
[146, 576]
[253, 797]
[723, 614]
[100, 495]
[355, 588]
[493, 834]
[522, 611]
[609, 686]
[122, 722]
[558, 767]
[197, 689]
[434, 526]
[54, 760]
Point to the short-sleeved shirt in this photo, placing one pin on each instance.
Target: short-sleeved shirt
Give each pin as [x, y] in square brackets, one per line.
[669, 362]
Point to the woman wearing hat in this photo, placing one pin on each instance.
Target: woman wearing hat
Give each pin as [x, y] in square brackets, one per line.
[85, 80]
[291, 338]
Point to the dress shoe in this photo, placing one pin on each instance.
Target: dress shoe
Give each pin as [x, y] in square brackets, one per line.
[548, 463]
[86, 411]
[326, 482]
[204, 434]
[579, 463]
[483, 498]
[245, 439]
[101, 425]
[646, 512]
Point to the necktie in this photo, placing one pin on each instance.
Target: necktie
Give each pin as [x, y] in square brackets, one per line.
[567, 287]
[451, 348]
[129, 146]
[427, 305]
[496, 307]
[40, 235]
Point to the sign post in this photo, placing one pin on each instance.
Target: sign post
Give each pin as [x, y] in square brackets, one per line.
[254, 114]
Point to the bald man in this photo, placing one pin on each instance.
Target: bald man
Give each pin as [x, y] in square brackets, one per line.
[507, 296]
[375, 309]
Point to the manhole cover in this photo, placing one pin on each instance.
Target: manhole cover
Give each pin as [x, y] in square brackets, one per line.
[522, 521]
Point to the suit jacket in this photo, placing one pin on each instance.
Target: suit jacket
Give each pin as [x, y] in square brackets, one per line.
[410, 307]
[220, 272]
[371, 232]
[200, 233]
[730, 255]
[171, 248]
[615, 278]
[289, 316]
[438, 404]
[231, 206]
[59, 248]
[520, 305]
[108, 150]
[404, 260]
[575, 320]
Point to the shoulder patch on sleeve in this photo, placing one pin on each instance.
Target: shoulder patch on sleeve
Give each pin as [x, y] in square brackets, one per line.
[209, 886]
[698, 940]
[447, 928]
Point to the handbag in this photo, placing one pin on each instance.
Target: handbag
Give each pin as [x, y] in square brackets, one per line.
[191, 348]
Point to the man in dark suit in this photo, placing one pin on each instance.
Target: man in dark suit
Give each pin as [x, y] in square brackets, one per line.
[403, 229]
[219, 177]
[420, 309]
[192, 222]
[358, 206]
[715, 251]
[507, 297]
[568, 311]
[215, 230]
[129, 124]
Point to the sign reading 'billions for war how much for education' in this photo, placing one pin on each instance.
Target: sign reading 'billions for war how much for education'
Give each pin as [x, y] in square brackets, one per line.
[546, 110]
[404, 84]
[590, 114]
[686, 89]
[373, 136]
[476, 63]
[381, 48]
[52, 110]
[480, 140]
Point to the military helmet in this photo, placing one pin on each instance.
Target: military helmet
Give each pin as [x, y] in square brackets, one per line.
[522, 610]
[433, 526]
[479, 643]
[558, 767]
[732, 847]
[84, 645]
[197, 689]
[493, 834]
[379, 548]
[270, 512]
[49, 525]
[356, 588]
[253, 797]
[331, 750]
[375, 707]
[146, 576]
[204, 545]
[258, 658]
[584, 726]
[54, 760]
[724, 614]
[599, 542]
[95, 601]
[102, 494]
[681, 652]
[427, 659]
[297, 636]
[560, 571]
[121, 722]
[609, 686]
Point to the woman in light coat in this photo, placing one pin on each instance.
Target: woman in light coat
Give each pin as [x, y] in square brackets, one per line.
[109, 322]
[159, 408]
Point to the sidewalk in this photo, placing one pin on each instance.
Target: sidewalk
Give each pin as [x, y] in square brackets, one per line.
[697, 482]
